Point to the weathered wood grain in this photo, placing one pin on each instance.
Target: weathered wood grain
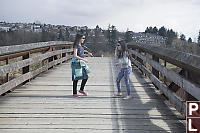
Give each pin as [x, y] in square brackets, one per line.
[27, 47]
[19, 80]
[172, 97]
[181, 59]
[46, 104]
[17, 65]
[187, 85]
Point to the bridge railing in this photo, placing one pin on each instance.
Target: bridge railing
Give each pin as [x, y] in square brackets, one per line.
[21, 63]
[178, 87]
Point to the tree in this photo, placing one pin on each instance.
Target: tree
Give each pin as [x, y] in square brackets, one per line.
[182, 37]
[149, 30]
[44, 36]
[112, 34]
[198, 38]
[190, 40]
[109, 34]
[67, 33]
[155, 30]
[60, 35]
[128, 36]
[97, 31]
[162, 31]
[171, 35]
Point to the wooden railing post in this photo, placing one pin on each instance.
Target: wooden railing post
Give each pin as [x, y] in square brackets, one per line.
[165, 79]
[63, 54]
[27, 68]
[165, 63]
[139, 60]
[7, 75]
[154, 71]
[55, 57]
[51, 58]
[187, 96]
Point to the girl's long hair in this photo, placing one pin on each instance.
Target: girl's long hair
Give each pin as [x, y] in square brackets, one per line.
[124, 49]
[77, 39]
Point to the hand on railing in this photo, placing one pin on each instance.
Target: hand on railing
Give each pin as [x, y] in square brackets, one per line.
[91, 54]
[88, 54]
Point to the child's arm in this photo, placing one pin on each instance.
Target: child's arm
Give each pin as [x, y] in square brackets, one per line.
[77, 57]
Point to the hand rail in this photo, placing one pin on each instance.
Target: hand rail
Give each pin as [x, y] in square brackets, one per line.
[46, 54]
[183, 86]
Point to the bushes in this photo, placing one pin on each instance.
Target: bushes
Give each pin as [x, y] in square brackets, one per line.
[21, 37]
[184, 46]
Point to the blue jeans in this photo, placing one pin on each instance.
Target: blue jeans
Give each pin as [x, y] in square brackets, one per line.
[124, 72]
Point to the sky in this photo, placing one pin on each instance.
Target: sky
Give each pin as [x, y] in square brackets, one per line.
[183, 16]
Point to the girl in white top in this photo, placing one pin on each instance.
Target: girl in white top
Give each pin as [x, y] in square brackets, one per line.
[125, 64]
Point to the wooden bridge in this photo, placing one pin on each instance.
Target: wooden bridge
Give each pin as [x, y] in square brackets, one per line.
[37, 97]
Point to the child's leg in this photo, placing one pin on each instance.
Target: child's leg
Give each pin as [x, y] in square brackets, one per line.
[119, 77]
[83, 84]
[127, 72]
[75, 86]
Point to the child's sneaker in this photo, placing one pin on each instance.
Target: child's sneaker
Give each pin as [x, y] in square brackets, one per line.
[83, 92]
[127, 97]
[118, 95]
[75, 95]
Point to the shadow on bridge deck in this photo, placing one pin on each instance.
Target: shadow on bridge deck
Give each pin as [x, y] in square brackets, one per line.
[148, 111]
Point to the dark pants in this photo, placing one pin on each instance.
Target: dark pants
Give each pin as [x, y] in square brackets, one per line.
[75, 82]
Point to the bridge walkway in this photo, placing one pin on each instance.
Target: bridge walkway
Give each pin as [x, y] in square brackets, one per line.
[46, 105]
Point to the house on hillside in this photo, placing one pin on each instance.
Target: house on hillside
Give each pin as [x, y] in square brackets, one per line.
[148, 38]
[5, 28]
[36, 28]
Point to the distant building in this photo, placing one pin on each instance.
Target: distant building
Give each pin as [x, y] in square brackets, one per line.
[4, 28]
[36, 28]
[148, 38]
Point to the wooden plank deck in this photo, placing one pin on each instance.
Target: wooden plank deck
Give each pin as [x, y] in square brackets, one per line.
[46, 105]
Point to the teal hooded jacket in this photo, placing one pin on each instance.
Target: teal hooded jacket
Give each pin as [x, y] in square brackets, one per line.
[80, 69]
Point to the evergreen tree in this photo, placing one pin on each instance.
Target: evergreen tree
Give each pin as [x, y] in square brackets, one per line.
[190, 40]
[182, 37]
[149, 30]
[198, 38]
[97, 27]
[67, 33]
[60, 35]
[81, 31]
[43, 36]
[162, 31]
[97, 31]
[155, 30]
[171, 35]
[109, 34]
[128, 36]
[112, 35]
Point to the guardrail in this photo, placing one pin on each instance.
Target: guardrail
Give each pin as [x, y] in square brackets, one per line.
[24, 59]
[178, 87]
